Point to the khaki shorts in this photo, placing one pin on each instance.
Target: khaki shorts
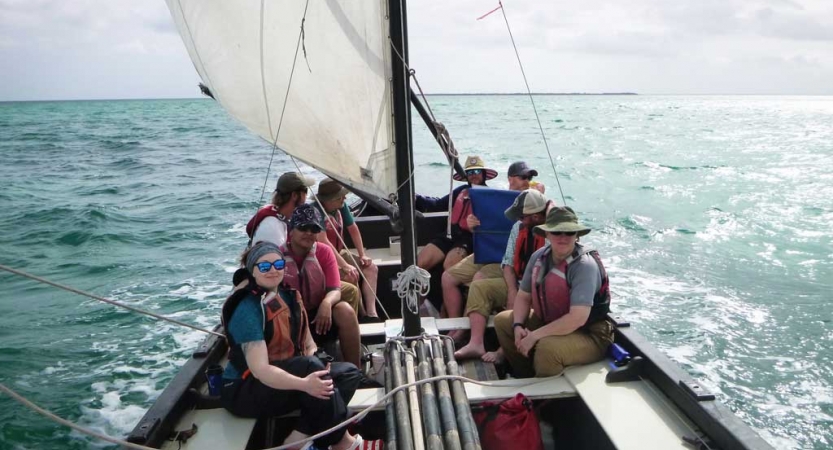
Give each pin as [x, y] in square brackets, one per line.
[465, 270]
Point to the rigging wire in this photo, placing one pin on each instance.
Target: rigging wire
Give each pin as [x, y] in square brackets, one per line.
[54, 417]
[529, 93]
[105, 300]
[286, 96]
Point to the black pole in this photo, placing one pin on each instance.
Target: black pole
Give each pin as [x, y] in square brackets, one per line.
[404, 153]
[433, 129]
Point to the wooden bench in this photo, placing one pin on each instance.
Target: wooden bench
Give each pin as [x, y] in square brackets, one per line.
[633, 414]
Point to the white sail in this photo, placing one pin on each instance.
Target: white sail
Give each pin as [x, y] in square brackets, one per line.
[337, 115]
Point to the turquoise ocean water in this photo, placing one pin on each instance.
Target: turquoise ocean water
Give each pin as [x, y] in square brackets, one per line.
[712, 213]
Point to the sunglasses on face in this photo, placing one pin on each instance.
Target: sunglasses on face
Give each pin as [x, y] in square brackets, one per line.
[474, 172]
[265, 266]
[308, 228]
[562, 233]
[524, 177]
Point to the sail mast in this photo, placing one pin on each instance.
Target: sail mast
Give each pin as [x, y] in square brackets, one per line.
[404, 154]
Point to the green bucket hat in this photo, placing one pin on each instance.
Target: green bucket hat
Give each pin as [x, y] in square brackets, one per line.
[562, 218]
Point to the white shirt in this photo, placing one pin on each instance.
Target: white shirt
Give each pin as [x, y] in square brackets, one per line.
[271, 229]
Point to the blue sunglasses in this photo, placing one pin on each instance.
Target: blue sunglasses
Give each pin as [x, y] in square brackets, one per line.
[474, 172]
[265, 266]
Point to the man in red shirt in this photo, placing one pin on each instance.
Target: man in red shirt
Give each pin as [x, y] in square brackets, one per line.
[312, 270]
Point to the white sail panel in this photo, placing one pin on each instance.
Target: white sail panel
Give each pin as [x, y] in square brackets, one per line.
[338, 107]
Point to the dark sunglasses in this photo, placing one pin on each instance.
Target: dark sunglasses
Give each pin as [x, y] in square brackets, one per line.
[308, 228]
[562, 233]
[524, 177]
[265, 266]
[474, 172]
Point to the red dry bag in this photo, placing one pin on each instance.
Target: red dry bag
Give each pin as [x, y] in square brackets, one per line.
[511, 423]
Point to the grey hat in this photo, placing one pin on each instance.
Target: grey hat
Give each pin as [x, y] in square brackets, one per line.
[257, 252]
[293, 181]
[527, 202]
[521, 168]
[562, 219]
[330, 189]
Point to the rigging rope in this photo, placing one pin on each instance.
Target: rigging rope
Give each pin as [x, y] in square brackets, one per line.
[286, 97]
[529, 93]
[105, 300]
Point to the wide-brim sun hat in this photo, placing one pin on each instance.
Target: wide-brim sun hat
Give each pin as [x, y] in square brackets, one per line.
[562, 219]
[476, 162]
[330, 189]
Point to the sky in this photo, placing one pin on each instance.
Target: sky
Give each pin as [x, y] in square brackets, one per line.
[113, 49]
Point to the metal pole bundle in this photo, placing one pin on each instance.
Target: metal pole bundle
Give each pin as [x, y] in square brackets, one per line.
[413, 399]
[390, 414]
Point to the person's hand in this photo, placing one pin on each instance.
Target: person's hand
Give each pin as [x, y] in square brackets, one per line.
[317, 386]
[323, 318]
[528, 343]
[539, 187]
[350, 274]
[520, 333]
[365, 261]
[472, 221]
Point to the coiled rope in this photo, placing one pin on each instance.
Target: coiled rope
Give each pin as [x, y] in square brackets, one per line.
[106, 300]
[412, 286]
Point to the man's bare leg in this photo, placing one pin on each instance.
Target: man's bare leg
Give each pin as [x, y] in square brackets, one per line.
[475, 348]
[348, 332]
[429, 257]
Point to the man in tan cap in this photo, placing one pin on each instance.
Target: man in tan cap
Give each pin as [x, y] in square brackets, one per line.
[338, 217]
[561, 307]
[270, 222]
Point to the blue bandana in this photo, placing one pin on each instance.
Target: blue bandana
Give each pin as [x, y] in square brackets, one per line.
[306, 214]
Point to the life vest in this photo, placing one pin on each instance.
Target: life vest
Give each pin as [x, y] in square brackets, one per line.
[278, 331]
[526, 244]
[335, 230]
[262, 213]
[460, 210]
[309, 279]
[551, 291]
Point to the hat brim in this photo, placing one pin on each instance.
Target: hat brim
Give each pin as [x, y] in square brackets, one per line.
[338, 194]
[490, 174]
[579, 229]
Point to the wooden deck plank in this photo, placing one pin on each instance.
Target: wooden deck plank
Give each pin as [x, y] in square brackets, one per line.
[218, 430]
[457, 323]
[633, 415]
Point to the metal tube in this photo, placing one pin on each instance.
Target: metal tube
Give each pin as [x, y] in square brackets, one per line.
[403, 421]
[431, 414]
[413, 400]
[390, 414]
[451, 435]
[468, 430]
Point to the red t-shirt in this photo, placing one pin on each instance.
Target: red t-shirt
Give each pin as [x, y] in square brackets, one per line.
[325, 256]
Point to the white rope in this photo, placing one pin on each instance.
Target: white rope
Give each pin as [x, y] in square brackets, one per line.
[106, 300]
[55, 418]
[412, 285]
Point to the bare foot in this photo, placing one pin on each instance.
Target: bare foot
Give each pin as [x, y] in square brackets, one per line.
[494, 357]
[469, 352]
